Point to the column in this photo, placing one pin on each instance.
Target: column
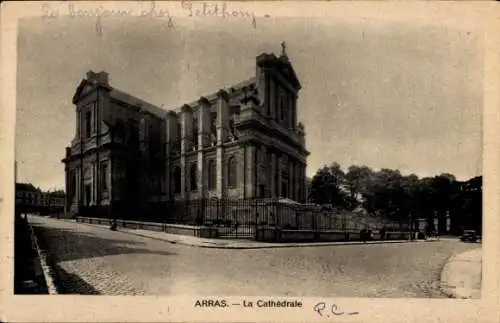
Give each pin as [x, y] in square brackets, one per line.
[250, 171]
[203, 141]
[94, 181]
[279, 175]
[186, 145]
[170, 137]
[291, 181]
[297, 182]
[241, 184]
[79, 184]
[222, 116]
[222, 128]
[263, 180]
[302, 182]
[272, 174]
[68, 188]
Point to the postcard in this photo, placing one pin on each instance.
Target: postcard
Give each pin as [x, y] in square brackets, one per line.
[250, 161]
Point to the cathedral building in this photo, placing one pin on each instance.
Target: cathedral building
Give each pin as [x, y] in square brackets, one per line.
[242, 142]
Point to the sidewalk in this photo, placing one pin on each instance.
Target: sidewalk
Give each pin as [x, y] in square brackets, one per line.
[233, 244]
[461, 276]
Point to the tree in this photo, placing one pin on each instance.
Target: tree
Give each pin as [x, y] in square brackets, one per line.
[357, 180]
[327, 186]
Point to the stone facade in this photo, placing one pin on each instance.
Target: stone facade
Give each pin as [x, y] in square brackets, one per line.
[243, 142]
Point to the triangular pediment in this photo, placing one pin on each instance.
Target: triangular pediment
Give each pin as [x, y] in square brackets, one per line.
[84, 88]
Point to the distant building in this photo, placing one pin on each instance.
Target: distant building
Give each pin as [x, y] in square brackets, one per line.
[32, 199]
[27, 194]
[240, 143]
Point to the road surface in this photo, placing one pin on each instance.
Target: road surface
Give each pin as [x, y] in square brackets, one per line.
[95, 260]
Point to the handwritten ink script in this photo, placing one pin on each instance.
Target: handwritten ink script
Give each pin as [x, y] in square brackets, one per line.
[150, 10]
[330, 310]
[203, 9]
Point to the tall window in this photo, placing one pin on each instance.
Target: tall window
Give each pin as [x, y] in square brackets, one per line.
[193, 174]
[232, 179]
[212, 174]
[177, 179]
[195, 133]
[282, 107]
[104, 176]
[88, 123]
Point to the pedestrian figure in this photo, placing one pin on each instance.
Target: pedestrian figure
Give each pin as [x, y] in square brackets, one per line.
[113, 225]
[382, 234]
[113, 222]
[363, 234]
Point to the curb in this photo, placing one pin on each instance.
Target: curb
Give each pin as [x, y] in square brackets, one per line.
[228, 246]
[451, 274]
[47, 272]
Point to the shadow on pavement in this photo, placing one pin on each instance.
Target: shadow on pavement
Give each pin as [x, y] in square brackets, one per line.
[65, 245]
[68, 283]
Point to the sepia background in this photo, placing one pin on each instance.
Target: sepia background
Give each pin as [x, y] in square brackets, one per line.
[377, 93]
[458, 127]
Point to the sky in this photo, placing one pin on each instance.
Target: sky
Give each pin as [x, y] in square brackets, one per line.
[385, 94]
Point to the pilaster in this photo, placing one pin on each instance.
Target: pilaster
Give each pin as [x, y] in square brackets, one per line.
[303, 182]
[241, 177]
[203, 141]
[272, 175]
[186, 129]
[170, 122]
[186, 145]
[222, 116]
[297, 182]
[262, 170]
[222, 129]
[250, 171]
[291, 181]
[220, 172]
[203, 122]
[67, 188]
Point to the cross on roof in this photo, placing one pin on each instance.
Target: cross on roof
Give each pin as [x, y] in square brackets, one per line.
[283, 48]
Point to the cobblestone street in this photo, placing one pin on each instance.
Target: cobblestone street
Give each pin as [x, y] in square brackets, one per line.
[95, 260]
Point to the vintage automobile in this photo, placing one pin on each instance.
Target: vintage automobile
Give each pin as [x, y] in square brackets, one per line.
[469, 236]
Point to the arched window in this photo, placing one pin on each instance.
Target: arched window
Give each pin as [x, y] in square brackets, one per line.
[212, 174]
[193, 174]
[232, 173]
[177, 179]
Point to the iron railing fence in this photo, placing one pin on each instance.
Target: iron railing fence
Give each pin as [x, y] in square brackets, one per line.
[245, 215]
